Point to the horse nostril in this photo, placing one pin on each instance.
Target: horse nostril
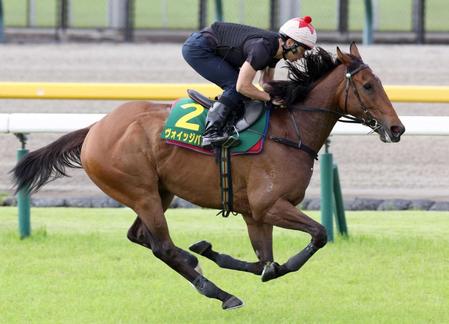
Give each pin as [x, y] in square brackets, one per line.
[397, 130]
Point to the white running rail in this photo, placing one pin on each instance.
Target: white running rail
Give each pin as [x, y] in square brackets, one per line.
[16, 123]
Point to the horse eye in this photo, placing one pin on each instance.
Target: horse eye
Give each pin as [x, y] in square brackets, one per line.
[367, 86]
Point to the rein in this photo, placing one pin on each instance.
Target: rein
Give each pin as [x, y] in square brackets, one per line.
[369, 121]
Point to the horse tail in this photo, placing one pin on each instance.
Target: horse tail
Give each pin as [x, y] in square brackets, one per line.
[49, 162]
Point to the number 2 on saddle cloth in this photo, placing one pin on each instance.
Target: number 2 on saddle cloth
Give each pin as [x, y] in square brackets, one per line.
[186, 124]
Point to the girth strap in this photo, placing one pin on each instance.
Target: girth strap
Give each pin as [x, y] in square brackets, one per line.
[225, 182]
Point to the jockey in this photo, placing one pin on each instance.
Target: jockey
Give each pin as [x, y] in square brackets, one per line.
[229, 55]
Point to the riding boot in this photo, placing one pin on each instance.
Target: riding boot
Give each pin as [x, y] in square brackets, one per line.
[215, 121]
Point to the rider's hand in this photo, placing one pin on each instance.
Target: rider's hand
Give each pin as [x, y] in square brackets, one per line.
[278, 103]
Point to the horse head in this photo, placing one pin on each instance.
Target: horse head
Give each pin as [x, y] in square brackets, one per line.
[363, 96]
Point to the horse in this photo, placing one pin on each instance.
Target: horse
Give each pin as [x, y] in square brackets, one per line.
[124, 155]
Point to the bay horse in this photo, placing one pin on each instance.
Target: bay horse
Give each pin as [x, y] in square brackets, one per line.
[125, 157]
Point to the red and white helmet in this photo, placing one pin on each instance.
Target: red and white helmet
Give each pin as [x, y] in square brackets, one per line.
[301, 30]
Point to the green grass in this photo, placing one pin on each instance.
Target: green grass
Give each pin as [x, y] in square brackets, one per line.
[393, 15]
[78, 267]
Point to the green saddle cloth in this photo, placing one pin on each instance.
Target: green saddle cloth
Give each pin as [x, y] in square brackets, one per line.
[186, 124]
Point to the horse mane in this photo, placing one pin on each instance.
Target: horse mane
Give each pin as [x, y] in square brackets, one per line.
[303, 75]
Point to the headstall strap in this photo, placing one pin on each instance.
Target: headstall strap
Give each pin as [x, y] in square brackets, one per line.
[349, 81]
[357, 70]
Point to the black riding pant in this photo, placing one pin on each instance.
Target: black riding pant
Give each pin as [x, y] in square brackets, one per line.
[199, 51]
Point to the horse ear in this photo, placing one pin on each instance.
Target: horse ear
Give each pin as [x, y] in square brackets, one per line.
[354, 50]
[342, 57]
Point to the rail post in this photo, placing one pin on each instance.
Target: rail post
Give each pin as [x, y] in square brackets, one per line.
[419, 19]
[218, 10]
[326, 189]
[23, 196]
[202, 21]
[368, 29]
[62, 19]
[129, 21]
[331, 202]
[339, 208]
[342, 21]
[2, 25]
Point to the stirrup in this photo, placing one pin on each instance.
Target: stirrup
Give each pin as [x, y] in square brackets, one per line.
[232, 141]
[208, 142]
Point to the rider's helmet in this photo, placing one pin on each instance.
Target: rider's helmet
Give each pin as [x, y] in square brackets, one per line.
[300, 30]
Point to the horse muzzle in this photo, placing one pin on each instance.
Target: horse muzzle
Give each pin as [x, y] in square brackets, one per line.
[392, 134]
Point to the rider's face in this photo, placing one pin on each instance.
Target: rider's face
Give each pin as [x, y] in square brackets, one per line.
[295, 54]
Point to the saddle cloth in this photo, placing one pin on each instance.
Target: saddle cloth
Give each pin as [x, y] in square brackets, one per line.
[186, 124]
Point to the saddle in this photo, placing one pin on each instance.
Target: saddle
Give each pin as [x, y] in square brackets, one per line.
[252, 110]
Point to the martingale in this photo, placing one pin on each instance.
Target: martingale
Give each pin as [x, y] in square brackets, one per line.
[186, 123]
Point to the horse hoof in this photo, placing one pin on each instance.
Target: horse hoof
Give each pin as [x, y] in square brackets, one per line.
[201, 247]
[269, 272]
[232, 303]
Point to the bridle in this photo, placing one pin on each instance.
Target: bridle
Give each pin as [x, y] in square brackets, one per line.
[368, 119]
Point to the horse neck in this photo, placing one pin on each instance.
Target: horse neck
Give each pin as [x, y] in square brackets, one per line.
[315, 127]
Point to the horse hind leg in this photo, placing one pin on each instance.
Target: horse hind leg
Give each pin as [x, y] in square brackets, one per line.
[125, 174]
[151, 214]
[138, 233]
[149, 204]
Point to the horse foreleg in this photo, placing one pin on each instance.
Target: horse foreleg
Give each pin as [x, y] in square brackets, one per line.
[261, 240]
[284, 214]
[261, 236]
